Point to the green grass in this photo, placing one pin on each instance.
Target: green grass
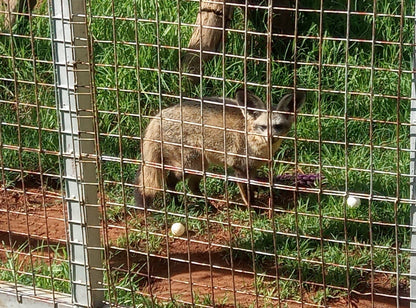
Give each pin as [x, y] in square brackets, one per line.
[121, 86]
[20, 268]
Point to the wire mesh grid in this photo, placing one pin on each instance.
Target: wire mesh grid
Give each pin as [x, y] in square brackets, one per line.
[299, 243]
[33, 216]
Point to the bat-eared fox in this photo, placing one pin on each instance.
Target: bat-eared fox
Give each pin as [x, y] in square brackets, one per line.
[196, 131]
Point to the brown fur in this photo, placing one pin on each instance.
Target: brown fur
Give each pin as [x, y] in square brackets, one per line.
[204, 145]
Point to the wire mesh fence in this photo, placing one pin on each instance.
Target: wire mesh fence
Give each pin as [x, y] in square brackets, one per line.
[283, 149]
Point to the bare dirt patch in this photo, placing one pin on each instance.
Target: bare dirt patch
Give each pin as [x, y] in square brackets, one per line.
[190, 268]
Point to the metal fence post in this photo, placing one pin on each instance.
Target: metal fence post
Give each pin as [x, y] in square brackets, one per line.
[413, 182]
[77, 145]
[413, 195]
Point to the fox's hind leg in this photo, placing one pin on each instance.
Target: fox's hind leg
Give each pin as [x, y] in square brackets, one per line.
[193, 160]
[172, 179]
[193, 184]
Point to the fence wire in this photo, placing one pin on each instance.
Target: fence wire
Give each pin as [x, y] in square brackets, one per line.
[328, 223]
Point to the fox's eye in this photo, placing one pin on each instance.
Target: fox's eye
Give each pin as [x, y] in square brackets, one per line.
[277, 127]
[263, 127]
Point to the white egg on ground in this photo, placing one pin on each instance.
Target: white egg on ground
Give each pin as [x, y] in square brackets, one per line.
[177, 229]
[353, 202]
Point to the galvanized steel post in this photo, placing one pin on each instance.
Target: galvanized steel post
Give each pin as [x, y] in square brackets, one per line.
[77, 145]
[413, 182]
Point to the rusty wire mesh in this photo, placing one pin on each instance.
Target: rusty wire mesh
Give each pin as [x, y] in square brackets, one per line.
[33, 219]
[297, 244]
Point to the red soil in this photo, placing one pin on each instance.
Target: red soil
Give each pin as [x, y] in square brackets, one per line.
[39, 219]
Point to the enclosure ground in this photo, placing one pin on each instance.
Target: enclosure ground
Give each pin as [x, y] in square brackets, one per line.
[40, 214]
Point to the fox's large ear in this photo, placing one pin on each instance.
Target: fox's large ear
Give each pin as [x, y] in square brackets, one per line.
[291, 101]
[245, 98]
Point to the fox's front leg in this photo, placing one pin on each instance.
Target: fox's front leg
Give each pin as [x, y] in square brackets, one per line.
[246, 190]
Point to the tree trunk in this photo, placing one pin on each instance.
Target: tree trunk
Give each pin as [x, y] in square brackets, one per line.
[204, 39]
[212, 15]
[8, 8]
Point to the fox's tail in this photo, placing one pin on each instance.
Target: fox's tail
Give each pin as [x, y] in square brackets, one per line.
[149, 176]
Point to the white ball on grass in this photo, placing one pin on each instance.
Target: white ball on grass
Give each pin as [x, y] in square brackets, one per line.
[177, 229]
[353, 202]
